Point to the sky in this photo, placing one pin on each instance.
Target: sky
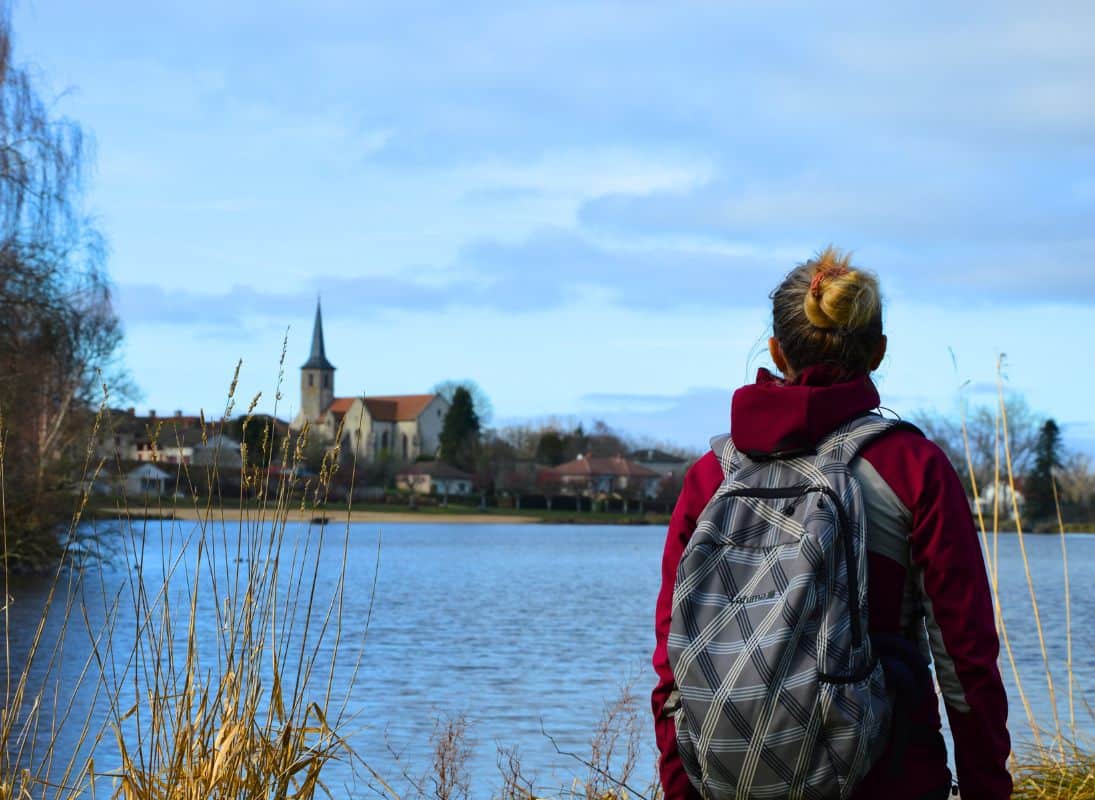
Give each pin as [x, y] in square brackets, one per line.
[583, 206]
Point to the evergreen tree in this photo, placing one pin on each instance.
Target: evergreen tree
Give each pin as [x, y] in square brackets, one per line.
[1047, 461]
[551, 449]
[460, 432]
[480, 401]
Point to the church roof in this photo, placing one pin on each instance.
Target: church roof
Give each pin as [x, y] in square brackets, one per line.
[340, 405]
[318, 357]
[386, 408]
[398, 407]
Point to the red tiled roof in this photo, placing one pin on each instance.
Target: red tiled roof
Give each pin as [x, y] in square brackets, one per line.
[386, 408]
[340, 405]
[617, 466]
[398, 407]
[380, 410]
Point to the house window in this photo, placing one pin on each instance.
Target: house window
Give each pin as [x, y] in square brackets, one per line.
[311, 380]
[384, 441]
[404, 446]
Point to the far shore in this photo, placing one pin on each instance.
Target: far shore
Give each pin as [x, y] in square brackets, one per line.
[330, 516]
[426, 514]
[439, 515]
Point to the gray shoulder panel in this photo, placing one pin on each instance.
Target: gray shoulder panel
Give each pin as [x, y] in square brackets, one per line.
[890, 520]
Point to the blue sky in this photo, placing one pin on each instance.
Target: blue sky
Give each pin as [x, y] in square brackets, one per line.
[583, 206]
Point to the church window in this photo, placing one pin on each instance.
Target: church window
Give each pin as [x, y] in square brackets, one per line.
[311, 380]
[326, 381]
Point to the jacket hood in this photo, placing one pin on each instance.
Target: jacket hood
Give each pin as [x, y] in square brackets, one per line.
[774, 416]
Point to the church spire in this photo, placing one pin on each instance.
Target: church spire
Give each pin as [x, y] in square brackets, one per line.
[318, 357]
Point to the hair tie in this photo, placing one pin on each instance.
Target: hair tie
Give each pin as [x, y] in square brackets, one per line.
[822, 274]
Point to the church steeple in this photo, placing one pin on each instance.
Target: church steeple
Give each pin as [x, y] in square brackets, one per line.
[317, 375]
[318, 358]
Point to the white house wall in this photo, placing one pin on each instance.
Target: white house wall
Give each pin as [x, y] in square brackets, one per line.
[356, 429]
[410, 430]
[364, 436]
[430, 422]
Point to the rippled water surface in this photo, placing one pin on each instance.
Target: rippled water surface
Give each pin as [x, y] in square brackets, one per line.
[519, 627]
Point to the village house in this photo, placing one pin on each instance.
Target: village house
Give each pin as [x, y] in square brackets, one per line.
[401, 427]
[665, 464]
[147, 480]
[999, 495]
[177, 439]
[602, 478]
[127, 436]
[434, 477]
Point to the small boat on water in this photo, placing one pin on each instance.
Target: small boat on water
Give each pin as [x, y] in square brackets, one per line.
[320, 520]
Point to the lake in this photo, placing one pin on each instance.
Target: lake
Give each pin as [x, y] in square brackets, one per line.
[531, 628]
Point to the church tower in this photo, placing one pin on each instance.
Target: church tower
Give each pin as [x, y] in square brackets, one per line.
[317, 376]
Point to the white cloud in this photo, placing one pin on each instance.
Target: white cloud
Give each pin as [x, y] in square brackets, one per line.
[583, 174]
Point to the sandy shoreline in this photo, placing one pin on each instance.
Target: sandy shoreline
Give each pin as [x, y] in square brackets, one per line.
[334, 517]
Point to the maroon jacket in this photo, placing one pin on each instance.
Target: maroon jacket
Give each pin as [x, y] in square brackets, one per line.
[947, 573]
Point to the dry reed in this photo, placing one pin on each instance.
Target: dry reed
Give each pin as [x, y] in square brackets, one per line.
[215, 661]
[1061, 765]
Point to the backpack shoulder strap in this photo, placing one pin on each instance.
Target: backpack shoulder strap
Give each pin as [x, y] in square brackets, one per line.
[729, 457]
[848, 441]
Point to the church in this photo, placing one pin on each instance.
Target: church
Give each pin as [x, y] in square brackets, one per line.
[404, 426]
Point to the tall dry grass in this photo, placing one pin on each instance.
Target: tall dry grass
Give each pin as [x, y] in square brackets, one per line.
[1059, 761]
[211, 664]
[616, 764]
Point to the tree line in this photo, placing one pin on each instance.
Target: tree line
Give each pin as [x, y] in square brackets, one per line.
[508, 464]
[1049, 475]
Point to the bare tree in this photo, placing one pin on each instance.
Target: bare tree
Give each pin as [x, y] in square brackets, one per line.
[59, 335]
[1076, 485]
[984, 433]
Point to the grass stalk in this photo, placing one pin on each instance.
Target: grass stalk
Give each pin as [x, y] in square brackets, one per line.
[1026, 559]
[994, 576]
[1068, 613]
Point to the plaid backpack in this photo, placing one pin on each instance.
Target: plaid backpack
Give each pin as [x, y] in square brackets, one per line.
[780, 693]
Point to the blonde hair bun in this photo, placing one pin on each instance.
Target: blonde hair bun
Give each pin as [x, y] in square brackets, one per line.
[840, 296]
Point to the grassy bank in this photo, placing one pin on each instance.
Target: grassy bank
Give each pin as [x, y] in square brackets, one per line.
[1049, 775]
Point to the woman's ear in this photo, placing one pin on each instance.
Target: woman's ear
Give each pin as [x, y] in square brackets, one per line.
[879, 354]
[775, 350]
